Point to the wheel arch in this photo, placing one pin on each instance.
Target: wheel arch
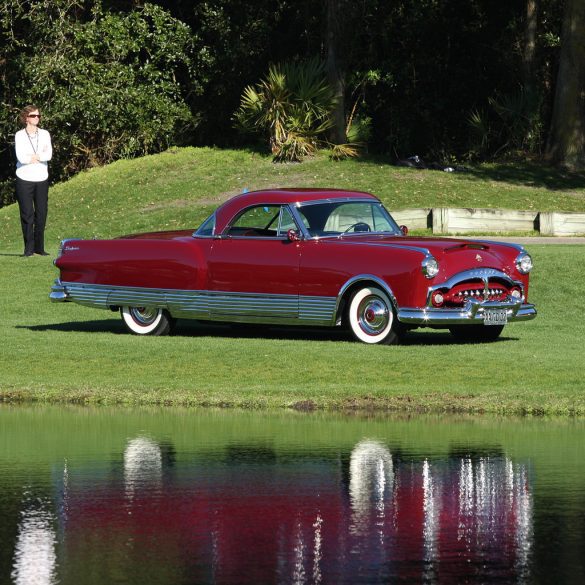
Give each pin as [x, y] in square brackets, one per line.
[354, 284]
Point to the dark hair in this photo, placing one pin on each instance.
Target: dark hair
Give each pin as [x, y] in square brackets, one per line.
[25, 112]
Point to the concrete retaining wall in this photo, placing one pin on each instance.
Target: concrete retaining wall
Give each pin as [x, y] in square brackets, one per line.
[445, 220]
[414, 219]
[562, 224]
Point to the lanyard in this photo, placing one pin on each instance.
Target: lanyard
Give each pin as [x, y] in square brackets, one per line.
[31, 142]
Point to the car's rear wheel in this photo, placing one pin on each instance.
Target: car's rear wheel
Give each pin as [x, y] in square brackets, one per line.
[371, 317]
[147, 320]
[476, 332]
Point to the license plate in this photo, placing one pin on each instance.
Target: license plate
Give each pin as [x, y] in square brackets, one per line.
[495, 317]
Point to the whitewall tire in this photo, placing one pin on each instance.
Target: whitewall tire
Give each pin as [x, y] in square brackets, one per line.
[147, 320]
[371, 316]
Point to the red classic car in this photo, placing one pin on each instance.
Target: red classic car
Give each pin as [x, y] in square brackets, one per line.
[320, 257]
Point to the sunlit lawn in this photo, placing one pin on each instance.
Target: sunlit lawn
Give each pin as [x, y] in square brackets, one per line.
[67, 352]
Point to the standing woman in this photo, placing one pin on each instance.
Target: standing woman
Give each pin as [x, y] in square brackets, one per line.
[33, 151]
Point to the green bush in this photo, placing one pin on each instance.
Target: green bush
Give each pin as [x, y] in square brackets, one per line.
[291, 108]
[105, 81]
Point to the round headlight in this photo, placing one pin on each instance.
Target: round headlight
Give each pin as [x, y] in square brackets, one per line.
[430, 267]
[524, 263]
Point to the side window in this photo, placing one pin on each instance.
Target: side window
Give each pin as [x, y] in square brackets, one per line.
[287, 222]
[259, 221]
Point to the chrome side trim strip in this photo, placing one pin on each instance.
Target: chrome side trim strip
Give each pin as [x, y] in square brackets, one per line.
[223, 304]
[424, 251]
[317, 310]
[207, 305]
[187, 304]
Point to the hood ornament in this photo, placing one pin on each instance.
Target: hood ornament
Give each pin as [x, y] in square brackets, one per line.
[478, 258]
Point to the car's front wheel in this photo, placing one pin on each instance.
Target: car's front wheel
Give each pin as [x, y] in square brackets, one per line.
[147, 320]
[476, 332]
[371, 317]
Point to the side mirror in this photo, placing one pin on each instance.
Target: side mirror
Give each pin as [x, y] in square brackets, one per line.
[293, 236]
[404, 230]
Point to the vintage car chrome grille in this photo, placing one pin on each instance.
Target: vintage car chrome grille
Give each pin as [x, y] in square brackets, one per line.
[495, 291]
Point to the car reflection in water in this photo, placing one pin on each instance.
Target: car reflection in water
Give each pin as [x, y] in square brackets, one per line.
[35, 558]
[250, 514]
[143, 465]
[442, 520]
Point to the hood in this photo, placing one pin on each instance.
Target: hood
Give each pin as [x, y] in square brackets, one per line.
[450, 251]
[435, 245]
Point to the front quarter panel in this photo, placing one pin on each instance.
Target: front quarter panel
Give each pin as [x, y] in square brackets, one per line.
[328, 265]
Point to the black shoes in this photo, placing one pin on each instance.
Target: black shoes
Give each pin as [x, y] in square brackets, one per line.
[29, 254]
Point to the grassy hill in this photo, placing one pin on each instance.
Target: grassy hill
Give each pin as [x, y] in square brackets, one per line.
[180, 187]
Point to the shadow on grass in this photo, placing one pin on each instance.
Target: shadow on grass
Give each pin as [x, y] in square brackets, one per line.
[528, 173]
[190, 328]
[102, 326]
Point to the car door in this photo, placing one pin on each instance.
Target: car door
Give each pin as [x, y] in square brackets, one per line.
[254, 267]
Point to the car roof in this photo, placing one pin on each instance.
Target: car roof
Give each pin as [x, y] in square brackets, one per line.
[281, 197]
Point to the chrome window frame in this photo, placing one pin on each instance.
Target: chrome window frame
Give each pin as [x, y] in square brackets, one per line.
[278, 236]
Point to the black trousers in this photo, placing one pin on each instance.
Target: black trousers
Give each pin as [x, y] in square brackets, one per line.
[33, 201]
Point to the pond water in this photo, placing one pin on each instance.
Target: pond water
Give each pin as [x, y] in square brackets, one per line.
[169, 496]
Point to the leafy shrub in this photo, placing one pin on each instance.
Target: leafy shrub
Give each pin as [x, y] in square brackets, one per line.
[105, 81]
[291, 108]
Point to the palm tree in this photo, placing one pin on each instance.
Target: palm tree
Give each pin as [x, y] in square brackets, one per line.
[292, 106]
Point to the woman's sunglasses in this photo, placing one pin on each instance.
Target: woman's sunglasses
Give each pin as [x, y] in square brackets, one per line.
[34, 115]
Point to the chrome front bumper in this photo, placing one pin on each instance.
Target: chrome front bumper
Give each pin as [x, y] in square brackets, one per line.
[471, 313]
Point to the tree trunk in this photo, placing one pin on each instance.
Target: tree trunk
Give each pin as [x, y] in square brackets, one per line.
[335, 67]
[529, 84]
[529, 52]
[566, 144]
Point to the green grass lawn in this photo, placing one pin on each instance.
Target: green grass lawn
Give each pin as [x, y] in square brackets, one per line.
[65, 352]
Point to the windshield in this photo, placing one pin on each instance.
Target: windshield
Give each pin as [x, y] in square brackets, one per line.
[336, 218]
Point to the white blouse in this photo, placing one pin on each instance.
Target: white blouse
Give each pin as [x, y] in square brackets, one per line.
[26, 146]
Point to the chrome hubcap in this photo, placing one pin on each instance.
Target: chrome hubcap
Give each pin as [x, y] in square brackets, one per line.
[144, 315]
[373, 315]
